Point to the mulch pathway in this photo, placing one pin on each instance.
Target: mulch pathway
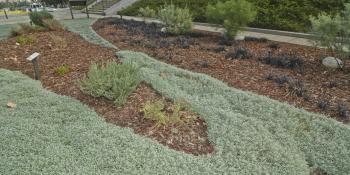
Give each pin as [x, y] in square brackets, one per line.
[322, 85]
[78, 55]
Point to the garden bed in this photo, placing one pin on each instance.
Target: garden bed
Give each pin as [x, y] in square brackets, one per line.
[303, 81]
[68, 51]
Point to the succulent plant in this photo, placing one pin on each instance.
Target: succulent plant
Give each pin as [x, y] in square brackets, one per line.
[291, 60]
[274, 46]
[282, 80]
[322, 104]
[296, 87]
[343, 110]
[238, 53]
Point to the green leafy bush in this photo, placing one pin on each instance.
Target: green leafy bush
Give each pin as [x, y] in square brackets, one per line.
[25, 40]
[113, 81]
[234, 14]
[176, 20]
[291, 15]
[63, 70]
[147, 12]
[38, 17]
[332, 32]
[156, 112]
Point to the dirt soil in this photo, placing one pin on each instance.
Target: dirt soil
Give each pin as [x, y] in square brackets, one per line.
[323, 90]
[78, 54]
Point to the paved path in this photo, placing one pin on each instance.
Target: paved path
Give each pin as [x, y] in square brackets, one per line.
[272, 37]
[119, 6]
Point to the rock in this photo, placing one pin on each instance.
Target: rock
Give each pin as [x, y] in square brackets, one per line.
[332, 62]
[163, 30]
[239, 38]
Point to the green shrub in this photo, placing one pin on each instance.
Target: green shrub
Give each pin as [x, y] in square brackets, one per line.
[147, 12]
[291, 15]
[332, 32]
[176, 20]
[156, 112]
[25, 40]
[233, 14]
[38, 17]
[113, 81]
[63, 70]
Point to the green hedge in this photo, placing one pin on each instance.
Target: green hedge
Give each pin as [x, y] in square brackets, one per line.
[292, 15]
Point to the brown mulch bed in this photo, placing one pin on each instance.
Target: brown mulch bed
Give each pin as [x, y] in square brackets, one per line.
[78, 55]
[320, 83]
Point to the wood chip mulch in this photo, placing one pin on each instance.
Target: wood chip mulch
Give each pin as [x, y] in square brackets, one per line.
[78, 56]
[321, 84]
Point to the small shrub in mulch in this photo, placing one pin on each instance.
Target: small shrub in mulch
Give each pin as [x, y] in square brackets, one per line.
[162, 116]
[322, 104]
[295, 87]
[38, 17]
[219, 49]
[202, 63]
[183, 42]
[164, 43]
[291, 60]
[332, 84]
[238, 53]
[113, 81]
[225, 40]
[274, 46]
[63, 70]
[25, 40]
[281, 80]
[343, 110]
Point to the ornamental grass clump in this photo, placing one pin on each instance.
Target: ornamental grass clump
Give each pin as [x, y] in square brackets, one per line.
[176, 20]
[112, 80]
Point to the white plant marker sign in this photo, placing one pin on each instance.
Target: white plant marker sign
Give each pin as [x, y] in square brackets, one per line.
[34, 59]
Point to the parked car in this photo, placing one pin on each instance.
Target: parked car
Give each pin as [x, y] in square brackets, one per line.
[36, 7]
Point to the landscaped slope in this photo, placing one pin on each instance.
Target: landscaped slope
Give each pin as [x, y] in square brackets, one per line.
[49, 134]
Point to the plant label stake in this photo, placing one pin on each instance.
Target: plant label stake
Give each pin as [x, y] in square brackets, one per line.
[34, 59]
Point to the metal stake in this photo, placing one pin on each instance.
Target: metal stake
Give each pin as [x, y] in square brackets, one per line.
[87, 11]
[71, 12]
[6, 14]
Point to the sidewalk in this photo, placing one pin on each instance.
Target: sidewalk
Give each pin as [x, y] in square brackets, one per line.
[273, 37]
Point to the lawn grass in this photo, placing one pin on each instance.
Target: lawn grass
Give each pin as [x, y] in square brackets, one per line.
[13, 12]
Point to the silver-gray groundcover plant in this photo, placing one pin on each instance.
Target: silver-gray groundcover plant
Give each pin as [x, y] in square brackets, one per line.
[52, 134]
